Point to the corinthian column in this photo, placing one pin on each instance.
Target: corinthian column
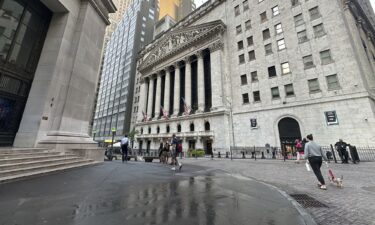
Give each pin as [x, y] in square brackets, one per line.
[150, 97]
[142, 100]
[216, 75]
[167, 90]
[176, 99]
[188, 82]
[158, 95]
[201, 94]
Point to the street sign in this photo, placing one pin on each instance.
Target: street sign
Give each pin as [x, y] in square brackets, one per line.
[253, 123]
[331, 118]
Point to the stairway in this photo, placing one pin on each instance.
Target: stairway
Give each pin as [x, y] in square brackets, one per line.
[21, 163]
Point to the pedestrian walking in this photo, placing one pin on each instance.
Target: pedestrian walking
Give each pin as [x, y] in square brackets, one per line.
[315, 156]
[174, 153]
[160, 150]
[124, 148]
[298, 144]
[341, 149]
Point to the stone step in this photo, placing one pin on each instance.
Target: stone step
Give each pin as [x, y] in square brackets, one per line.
[31, 158]
[41, 168]
[22, 150]
[27, 154]
[46, 171]
[12, 166]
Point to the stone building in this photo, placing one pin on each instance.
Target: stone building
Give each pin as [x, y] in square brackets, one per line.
[257, 72]
[50, 54]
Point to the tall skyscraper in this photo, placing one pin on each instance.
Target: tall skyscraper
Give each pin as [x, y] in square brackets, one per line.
[114, 103]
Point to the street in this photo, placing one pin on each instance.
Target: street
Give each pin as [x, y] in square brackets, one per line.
[144, 193]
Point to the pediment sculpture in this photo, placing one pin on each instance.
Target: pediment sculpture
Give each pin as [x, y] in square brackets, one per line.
[179, 39]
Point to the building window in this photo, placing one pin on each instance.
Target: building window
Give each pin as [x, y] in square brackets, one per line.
[275, 92]
[289, 90]
[275, 11]
[250, 41]
[268, 49]
[243, 79]
[237, 10]
[298, 20]
[157, 130]
[179, 128]
[333, 82]
[149, 130]
[168, 129]
[285, 69]
[192, 127]
[313, 85]
[256, 96]
[252, 55]
[325, 57]
[254, 76]
[260, 1]
[319, 30]
[263, 17]
[278, 28]
[272, 71]
[241, 58]
[281, 44]
[207, 126]
[245, 5]
[266, 34]
[308, 62]
[238, 29]
[240, 45]
[302, 36]
[295, 2]
[245, 98]
[248, 25]
[314, 13]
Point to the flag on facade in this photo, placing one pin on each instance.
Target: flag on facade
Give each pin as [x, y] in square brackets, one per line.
[186, 107]
[144, 116]
[165, 113]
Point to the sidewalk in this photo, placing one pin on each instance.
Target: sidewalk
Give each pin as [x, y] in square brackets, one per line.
[352, 205]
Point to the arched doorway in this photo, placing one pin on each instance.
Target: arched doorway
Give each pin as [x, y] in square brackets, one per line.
[289, 131]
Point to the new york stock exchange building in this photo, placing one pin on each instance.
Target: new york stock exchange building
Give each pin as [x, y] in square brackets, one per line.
[251, 73]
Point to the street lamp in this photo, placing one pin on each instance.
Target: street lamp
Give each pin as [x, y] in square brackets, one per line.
[231, 121]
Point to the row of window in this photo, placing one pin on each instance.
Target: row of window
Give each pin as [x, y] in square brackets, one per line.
[207, 127]
[313, 85]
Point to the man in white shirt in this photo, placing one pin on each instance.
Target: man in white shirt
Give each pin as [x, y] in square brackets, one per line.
[124, 148]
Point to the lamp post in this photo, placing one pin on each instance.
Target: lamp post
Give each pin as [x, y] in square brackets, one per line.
[113, 138]
[231, 121]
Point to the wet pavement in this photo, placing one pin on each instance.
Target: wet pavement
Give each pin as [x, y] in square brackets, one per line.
[143, 193]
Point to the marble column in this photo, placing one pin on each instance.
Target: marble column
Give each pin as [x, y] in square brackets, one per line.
[150, 96]
[188, 82]
[158, 96]
[216, 75]
[142, 99]
[201, 93]
[176, 99]
[167, 90]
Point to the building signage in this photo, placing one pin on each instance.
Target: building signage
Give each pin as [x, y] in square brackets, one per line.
[253, 123]
[331, 118]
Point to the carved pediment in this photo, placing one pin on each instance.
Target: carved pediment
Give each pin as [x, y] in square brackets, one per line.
[179, 39]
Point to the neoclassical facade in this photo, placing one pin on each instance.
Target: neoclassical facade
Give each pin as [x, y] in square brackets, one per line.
[251, 73]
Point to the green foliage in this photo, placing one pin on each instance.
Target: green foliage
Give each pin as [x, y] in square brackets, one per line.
[196, 153]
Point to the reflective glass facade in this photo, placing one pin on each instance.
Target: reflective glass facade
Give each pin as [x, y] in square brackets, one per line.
[23, 27]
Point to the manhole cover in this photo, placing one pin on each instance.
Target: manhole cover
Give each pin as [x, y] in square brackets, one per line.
[372, 189]
[308, 201]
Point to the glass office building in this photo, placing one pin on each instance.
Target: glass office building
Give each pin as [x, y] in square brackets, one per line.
[23, 27]
[114, 103]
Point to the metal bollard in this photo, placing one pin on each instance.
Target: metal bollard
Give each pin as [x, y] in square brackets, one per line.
[227, 155]
[243, 155]
[219, 156]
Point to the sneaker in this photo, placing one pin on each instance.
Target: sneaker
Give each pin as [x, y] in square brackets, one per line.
[323, 187]
[180, 164]
[173, 168]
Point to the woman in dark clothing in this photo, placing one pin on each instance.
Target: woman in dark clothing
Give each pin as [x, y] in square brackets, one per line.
[161, 152]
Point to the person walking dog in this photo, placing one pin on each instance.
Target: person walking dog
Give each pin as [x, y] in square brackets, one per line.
[315, 156]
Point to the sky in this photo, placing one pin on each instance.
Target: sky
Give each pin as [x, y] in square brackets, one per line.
[372, 3]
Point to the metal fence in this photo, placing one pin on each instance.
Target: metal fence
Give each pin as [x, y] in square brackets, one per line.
[365, 154]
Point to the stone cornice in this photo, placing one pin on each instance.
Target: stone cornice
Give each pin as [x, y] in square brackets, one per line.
[180, 40]
[103, 8]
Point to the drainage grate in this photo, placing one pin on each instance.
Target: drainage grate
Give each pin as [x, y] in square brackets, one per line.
[307, 201]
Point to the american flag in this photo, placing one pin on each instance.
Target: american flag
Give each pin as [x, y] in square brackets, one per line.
[165, 113]
[144, 116]
[186, 107]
